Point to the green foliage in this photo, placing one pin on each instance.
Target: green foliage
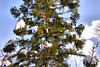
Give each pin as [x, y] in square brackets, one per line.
[51, 27]
[53, 50]
[87, 64]
[79, 44]
[20, 32]
[21, 56]
[15, 12]
[74, 37]
[27, 1]
[10, 46]
[79, 29]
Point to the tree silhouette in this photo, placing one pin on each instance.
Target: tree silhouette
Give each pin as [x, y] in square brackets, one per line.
[91, 60]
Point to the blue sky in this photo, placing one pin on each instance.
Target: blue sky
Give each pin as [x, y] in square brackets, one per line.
[89, 12]
[7, 21]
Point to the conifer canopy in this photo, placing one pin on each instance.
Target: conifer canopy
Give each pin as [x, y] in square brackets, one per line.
[45, 24]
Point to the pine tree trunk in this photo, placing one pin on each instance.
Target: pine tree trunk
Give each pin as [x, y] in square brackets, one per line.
[46, 65]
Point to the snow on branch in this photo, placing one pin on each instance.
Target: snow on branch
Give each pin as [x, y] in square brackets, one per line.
[19, 25]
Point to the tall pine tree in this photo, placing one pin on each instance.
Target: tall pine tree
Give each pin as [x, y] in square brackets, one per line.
[49, 26]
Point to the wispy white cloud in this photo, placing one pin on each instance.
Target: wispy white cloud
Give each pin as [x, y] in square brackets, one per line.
[75, 60]
[89, 31]
[87, 47]
[87, 34]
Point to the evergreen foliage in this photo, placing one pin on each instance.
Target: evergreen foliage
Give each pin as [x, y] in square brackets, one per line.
[48, 15]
